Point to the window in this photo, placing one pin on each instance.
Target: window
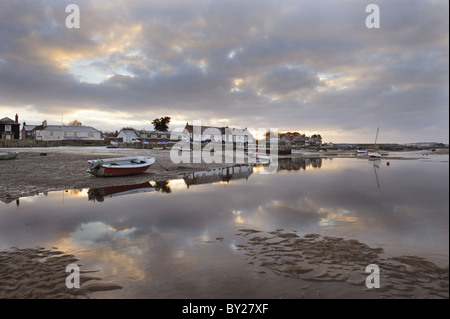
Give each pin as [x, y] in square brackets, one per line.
[51, 133]
[8, 128]
[90, 134]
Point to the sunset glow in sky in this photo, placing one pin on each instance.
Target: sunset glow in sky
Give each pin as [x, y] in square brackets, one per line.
[307, 66]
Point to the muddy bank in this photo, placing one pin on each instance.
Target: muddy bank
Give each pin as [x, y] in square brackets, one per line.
[39, 170]
[41, 273]
[315, 258]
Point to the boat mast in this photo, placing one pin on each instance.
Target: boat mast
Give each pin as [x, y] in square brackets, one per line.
[62, 126]
[376, 137]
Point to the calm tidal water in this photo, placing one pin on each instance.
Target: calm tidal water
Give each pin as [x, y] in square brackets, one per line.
[181, 238]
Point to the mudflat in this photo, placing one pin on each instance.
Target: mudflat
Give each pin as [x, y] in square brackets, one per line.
[49, 169]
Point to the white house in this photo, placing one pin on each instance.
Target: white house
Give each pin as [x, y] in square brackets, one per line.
[219, 134]
[154, 135]
[128, 136]
[46, 132]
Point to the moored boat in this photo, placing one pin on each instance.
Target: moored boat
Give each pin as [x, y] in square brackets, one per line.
[375, 152]
[120, 166]
[8, 155]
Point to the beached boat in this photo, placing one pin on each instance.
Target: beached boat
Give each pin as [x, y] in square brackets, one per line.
[8, 155]
[120, 166]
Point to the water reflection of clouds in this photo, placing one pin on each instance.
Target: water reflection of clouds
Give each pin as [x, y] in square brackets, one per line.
[410, 209]
[334, 216]
[99, 234]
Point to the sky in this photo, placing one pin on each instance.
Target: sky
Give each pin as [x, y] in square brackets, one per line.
[292, 65]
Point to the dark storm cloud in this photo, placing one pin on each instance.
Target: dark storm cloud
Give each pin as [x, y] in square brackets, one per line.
[287, 64]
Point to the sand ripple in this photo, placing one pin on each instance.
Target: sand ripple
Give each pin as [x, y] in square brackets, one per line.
[319, 258]
[41, 273]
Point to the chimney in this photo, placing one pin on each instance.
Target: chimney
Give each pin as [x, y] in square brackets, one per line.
[44, 124]
[17, 118]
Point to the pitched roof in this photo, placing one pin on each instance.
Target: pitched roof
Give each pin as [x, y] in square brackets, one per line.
[129, 132]
[7, 120]
[29, 127]
[153, 132]
[190, 128]
[66, 128]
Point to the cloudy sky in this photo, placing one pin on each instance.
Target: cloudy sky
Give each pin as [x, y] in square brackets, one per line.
[308, 66]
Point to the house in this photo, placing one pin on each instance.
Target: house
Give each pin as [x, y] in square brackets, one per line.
[292, 138]
[46, 132]
[154, 136]
[9, 129]
[218, 134]
[128, 135]
[314, 140]
[27, 131]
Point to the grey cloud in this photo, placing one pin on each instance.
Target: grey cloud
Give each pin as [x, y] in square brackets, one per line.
[180, 62]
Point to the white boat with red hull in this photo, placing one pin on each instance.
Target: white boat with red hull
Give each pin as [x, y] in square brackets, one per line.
[120, 166]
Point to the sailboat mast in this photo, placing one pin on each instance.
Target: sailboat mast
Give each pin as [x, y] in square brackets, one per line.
[376, 137]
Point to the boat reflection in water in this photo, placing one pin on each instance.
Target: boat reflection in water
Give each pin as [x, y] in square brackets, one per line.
[99, 194]
[225, 174]
[216, 175]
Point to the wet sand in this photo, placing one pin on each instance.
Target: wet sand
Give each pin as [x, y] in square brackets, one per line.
[315, 258]
[318, 263]
[39, 273]
[32, 172]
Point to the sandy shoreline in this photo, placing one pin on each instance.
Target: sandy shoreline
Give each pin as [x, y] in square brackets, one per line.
[65, 168]
[39, 273]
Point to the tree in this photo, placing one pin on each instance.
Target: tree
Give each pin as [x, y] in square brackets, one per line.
[161, 124]
[75, 123]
